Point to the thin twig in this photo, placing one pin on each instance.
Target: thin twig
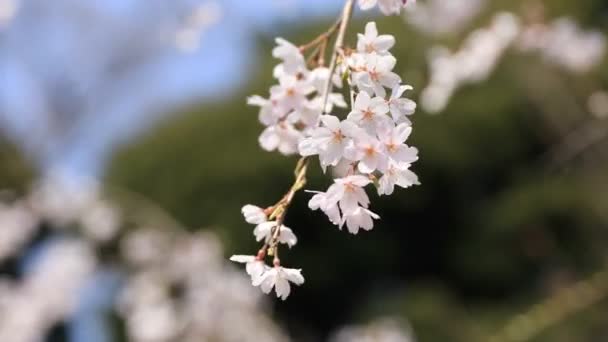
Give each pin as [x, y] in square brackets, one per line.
[323, 36]
[346, 14]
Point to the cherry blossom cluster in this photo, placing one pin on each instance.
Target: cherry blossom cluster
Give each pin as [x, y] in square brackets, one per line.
[564, 43]
[367, 146]
[153, 258]
[61, 204]
[295, 103]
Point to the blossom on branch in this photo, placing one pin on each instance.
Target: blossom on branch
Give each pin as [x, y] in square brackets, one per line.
[365, 147]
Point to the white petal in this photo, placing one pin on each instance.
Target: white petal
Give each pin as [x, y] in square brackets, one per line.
[371, 30]
[294, 275]
[255, 268]
[269, 140]
[242, 258]
[287, 236]
[282, 288]
[384, 42]
[332, 122]
[308, 147]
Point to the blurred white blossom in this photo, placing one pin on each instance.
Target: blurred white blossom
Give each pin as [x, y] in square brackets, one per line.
[380, 330]
[564, 43]
[474, 62]
[48, 293]
[440, 17]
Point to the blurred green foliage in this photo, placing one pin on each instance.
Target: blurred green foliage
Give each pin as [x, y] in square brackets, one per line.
[494, 228]
[16, 172]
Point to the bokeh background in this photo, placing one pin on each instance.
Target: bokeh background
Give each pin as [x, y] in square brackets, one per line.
[505, 240]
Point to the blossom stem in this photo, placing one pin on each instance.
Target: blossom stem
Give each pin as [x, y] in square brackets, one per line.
[345, 19]
[323, 36]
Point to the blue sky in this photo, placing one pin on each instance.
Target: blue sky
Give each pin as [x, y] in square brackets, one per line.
[51, 51]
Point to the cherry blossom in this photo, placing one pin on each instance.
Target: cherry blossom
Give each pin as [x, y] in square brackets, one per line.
[282, 137]
[396, 174]
[393, 139]
[371, 42]
[293, 61]
[264, 231]
[359, 218]
[401, 107]
[369, 152]
[279, 279]
[254, 214]
[369, 112]
[374, 72]
[329, 141]
[253, 265]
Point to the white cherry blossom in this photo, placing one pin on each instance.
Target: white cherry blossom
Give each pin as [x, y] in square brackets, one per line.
[369, 152]
[396, 174]
[264, 231]
[329, 141]
[293, 60]
[282, 137]
[290, 93]
[348, 192]
[319, 201]
[369, 112]
[393, 139]
[371, 42]
[254, 266]
[279, 278]
[254, 214]
[359, 218]
[269, 112]
[399, 106]
[374, 72]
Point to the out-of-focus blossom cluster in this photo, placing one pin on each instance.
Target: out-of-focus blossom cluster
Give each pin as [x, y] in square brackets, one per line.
[48, 292]
[60, 204]
[561, 43]
[8, 9]
[180, 290]
[440, 17]
[564, 43]
[473, 63]
[205, 15]
[366, 147]
[178, 287]
[380, 330]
